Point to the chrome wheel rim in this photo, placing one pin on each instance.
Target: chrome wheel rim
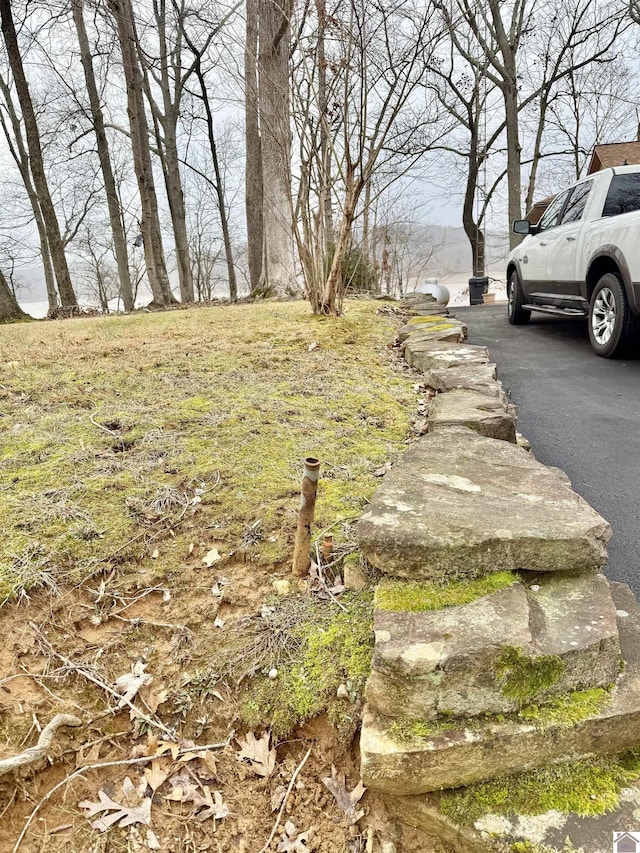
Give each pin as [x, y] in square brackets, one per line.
[512, 296]
[603, 316]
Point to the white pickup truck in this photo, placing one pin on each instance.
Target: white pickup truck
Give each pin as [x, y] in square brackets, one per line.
[582, 259]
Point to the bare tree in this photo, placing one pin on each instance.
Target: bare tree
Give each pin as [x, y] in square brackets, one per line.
[54, 239]
[9, 308]
[253, 158]
[564, 41]
[18, 150]
[274, 36]
[379, 120]
[197, 69]
[115, 215]
[122, 13]
[167, 73]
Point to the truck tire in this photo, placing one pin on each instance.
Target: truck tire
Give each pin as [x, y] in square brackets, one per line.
[613, 330]
[518, 316]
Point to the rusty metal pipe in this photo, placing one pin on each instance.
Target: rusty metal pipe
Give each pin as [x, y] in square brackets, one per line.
[301, 552]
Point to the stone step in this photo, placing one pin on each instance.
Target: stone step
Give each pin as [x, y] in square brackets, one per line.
[541, 810]
[526, 643]
[485, 415]
[434, 328]
[458, 504]
[425, 354]
[550, 831]
[471, 377]
[463, 755]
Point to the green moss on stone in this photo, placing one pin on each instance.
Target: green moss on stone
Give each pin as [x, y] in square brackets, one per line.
[522, 678]
[584, 788]
[433, 318]
[414, 597]
[410, 731]
[567, 710]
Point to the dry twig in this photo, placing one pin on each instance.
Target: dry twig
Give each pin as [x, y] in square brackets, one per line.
[35, 753]
[83, 670]
[296, 773]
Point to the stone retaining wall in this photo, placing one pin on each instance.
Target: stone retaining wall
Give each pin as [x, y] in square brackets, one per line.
[500, 647]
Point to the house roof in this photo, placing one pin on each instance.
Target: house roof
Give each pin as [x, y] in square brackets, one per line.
[539, 207]
[614, 154]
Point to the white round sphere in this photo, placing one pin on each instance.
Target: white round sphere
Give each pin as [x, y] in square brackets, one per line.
[439, 292]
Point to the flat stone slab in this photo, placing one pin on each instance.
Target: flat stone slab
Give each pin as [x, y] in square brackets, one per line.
[425, 355]
[471, 377]
[481, 413]
[459, 504]
[549, 831]
[463, 755]
[446, 330]
[451, 662]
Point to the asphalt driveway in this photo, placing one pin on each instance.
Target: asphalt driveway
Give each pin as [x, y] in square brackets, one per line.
[580, 413]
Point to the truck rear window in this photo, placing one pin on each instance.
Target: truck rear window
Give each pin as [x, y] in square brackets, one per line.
[623, 195]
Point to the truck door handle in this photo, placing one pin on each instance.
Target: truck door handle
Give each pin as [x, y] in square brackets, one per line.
[542, 244]
[570, 239]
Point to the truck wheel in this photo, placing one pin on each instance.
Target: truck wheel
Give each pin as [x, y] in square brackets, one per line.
[518, 316]
[613, 329]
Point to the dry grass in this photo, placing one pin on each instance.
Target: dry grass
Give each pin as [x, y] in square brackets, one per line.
[127, 436]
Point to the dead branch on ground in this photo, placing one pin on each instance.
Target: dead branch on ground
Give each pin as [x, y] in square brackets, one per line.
[35, 753]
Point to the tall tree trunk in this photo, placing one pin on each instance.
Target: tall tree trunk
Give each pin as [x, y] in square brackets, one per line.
[324, 193]
[222, 208]
[9, 308]
[510, 93]
[115, 217]
[253, 160]
[168, 144]
[21, 158]
[175, 196]
[472, 229]
[278, 265]
[151, 232]
[56, 246]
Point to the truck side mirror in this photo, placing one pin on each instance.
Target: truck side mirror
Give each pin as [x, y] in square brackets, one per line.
[522, 226]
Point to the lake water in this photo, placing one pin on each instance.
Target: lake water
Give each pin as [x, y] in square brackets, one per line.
[457, 286]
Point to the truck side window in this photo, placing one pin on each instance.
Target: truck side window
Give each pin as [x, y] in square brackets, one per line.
[550, 217]
[623, 195]
[577, 203]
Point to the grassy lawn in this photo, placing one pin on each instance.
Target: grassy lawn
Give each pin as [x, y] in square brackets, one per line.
[116, 432]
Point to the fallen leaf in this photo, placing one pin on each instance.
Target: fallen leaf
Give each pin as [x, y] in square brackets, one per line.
[345, 799]
[258, 752]
[205, 805]
[89, 757]
[292, 842]
[382, 470]
[152, 840]
[120, 815]
[155, 775]
[208, 765]
[211, 557]
[153, 697]
[129, 683]
[168, 746]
